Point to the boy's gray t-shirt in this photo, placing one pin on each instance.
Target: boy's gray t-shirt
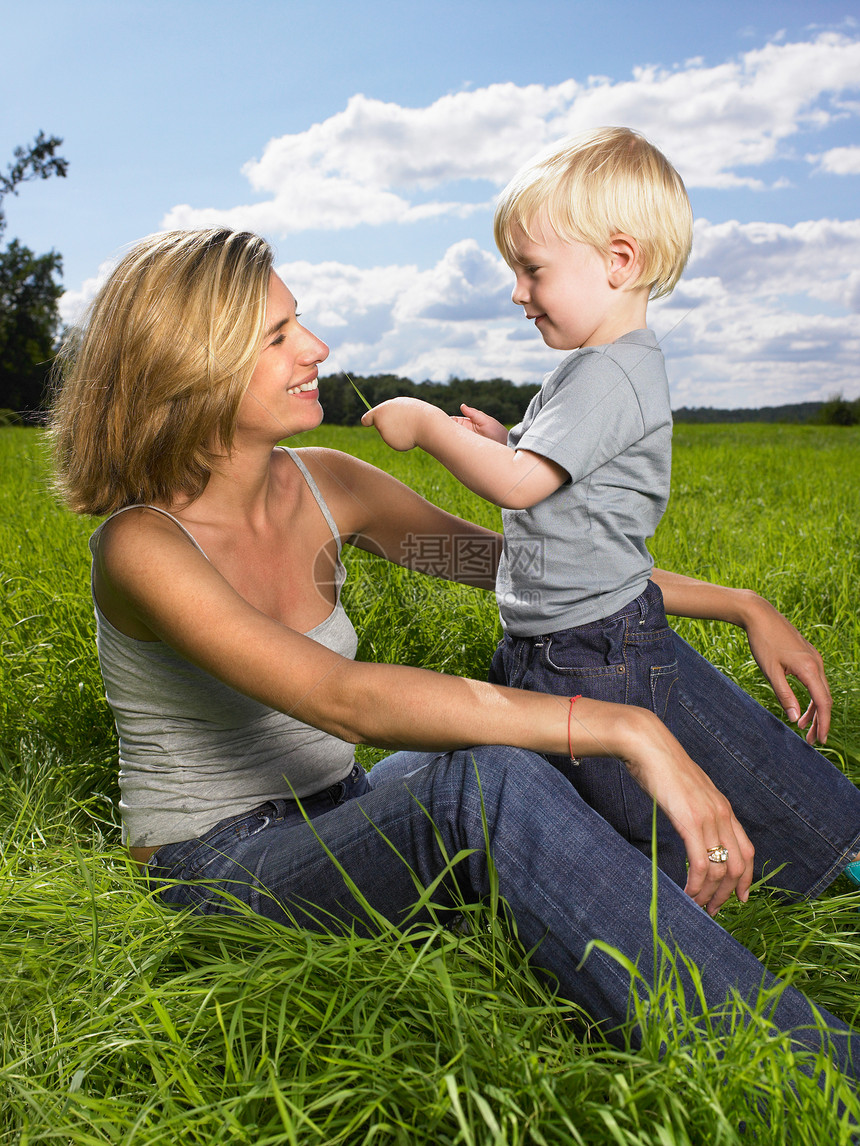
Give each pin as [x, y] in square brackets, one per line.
[581, 554]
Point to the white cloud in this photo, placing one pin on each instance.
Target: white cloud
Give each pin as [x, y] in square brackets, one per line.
[819, 258]
[74, 303]
[735, 350]
[377, 162]
[466, 284]
[765, 314]
[336, 296]
[838, 161]
[454, 318]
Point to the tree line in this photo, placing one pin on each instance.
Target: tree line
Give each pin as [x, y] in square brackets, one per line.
[339, 395]
[507, 402]
[30, 289]
[836, 411]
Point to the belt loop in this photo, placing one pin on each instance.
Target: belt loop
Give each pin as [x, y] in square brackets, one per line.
[643, 610]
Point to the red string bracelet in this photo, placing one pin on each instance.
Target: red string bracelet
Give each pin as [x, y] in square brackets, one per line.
[573, 701]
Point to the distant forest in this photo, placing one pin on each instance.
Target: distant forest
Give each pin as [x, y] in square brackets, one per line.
[798, 412]
[507, 402]
[498, 398]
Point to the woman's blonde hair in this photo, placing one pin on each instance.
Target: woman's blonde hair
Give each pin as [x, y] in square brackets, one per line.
[147, 390]
[592, 186]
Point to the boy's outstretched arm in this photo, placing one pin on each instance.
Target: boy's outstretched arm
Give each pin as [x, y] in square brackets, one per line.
[779, 649]
[512, 479]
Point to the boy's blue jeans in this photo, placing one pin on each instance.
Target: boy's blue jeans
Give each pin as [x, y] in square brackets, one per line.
[801, 814]
[565, 875]
[627, 658]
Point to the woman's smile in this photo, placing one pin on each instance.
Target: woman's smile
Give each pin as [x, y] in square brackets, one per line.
[308, 387]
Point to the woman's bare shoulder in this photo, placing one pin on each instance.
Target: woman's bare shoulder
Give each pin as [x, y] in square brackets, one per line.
[132, 544]
[338, 465]
[325, 458]
[126, 546]
[139, 524]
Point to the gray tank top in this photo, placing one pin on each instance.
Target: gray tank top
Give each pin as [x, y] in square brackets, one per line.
[193, 751]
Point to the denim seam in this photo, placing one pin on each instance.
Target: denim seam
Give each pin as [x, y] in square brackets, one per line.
[625, 646]
[658, 671]
[835, 869]
[652, 636]
[586, 673]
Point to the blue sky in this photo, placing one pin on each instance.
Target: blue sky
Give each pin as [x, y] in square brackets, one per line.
[368, 142]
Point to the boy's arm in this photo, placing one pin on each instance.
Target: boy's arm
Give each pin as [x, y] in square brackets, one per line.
[777, 646]
[512, 479]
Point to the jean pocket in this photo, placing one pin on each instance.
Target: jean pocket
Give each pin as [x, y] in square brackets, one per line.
[663, 681]
[170, 858]
[189, 859]
[644, 636]
[589, 652]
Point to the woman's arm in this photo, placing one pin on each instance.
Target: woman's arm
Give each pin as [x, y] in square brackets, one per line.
[775, 643]
[376, 512]
[417, 534]
[172, 590]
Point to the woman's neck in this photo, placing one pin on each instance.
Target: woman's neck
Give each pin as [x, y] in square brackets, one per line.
[239, 487]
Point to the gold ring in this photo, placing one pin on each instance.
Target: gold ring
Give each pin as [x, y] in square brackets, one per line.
[718, 855]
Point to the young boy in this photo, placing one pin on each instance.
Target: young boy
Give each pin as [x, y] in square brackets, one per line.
[592, 231]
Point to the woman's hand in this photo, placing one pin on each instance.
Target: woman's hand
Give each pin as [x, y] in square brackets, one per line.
[775, 643]
[778, 649]
[483, 424]
[698, 811]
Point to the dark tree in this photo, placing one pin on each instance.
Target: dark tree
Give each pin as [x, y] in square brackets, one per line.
[498, 397]
[29, 322]
[29, 292]
[37, 161]
[838, 411]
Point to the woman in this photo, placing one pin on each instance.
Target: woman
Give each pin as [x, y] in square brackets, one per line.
[227, 660]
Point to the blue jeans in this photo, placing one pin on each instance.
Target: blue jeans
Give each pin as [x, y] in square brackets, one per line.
[800, 812]
[627, 658]
[566, 876]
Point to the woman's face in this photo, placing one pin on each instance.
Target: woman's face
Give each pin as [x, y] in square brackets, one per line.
[282, 396]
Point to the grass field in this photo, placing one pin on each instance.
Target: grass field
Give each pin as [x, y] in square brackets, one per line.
[124, 1023]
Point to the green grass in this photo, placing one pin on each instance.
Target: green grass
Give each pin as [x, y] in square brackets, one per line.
[121, 1022]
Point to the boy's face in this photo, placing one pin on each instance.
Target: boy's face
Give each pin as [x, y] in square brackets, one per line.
[564, 287]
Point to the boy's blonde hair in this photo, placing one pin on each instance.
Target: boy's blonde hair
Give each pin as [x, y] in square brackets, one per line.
[592, 186]
[147, 390]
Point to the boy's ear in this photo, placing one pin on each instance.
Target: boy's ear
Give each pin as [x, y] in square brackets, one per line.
[624, 263]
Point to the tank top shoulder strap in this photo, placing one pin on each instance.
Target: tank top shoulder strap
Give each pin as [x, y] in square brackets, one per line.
[315, 490]
[164, 512]
[303, 469]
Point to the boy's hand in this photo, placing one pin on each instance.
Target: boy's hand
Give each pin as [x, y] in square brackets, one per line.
[482, 424]
[400, 421]
[509, 478]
